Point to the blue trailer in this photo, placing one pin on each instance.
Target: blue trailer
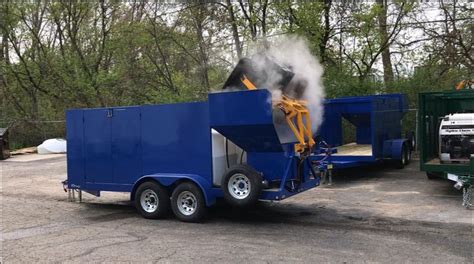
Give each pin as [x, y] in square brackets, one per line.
[187, 155]
[160, 151]
[376, 120]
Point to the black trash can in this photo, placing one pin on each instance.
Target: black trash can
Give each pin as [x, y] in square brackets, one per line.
[4, 146]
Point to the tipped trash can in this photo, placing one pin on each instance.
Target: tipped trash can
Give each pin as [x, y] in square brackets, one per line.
[4, 146]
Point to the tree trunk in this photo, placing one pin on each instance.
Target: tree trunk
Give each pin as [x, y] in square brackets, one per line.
[327, 30]
[235, 29]
[249, 16]
[4, 53]
[386, 60]
[199, 18]
[4, 61]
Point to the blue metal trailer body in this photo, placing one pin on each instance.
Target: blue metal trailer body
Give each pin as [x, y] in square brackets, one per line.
[113, 148]
[377, 121]
[117, 148]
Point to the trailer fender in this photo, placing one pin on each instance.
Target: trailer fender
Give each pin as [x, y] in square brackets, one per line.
[393, 148]
[168, 180]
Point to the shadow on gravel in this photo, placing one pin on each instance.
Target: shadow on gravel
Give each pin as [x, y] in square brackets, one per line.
[312, 217]
[101, 212]
[372, 172]
[385, 172]
[265, 214]
[289, 219]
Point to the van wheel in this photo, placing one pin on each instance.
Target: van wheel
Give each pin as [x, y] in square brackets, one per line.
[187, 202]
[152, 200]
[241, 185]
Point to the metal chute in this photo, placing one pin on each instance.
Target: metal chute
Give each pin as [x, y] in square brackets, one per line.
[263, 72]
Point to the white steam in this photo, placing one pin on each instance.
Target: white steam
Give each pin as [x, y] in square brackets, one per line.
[294, 53]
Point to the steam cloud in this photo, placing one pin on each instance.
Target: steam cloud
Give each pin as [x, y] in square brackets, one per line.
[306, 84]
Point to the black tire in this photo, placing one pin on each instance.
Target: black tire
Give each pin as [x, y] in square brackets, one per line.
[411, 140]
[152, 200]
[188, 203]
[400, 164]
[432, 176]
[245, 188]
[409, 156]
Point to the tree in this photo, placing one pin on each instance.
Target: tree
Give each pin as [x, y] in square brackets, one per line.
[60, 55]
[363, 44]
[384, 38]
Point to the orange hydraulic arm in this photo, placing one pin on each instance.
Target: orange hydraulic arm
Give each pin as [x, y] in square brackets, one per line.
[297, 116]
[248, 83]
[464, 83]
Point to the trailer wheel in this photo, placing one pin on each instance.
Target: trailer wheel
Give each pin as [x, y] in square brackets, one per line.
[241, 185]
[187, 202]
[401, 163]
[412, 140]
[409, 155]
[152, 200]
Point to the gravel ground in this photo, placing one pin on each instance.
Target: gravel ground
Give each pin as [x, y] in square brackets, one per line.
[368, 215]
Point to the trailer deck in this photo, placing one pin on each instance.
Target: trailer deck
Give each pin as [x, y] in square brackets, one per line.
[354, 149]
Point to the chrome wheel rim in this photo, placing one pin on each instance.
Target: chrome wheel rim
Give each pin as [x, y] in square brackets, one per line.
[149, 201]
[187, 203]
[239, 186]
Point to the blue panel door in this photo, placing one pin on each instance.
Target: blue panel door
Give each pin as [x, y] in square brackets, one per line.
[97, 146]
[126, 145]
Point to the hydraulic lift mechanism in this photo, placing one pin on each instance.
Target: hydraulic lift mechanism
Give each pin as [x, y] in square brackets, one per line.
[296, 112]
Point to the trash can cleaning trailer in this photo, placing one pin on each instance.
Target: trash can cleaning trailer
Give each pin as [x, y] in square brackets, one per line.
[160, 151]
[241, 145]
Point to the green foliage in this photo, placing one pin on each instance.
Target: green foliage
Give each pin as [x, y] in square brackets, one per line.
[60, 55]
[338, 83]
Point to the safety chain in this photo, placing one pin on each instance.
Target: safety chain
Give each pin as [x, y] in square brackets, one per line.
[467, 197]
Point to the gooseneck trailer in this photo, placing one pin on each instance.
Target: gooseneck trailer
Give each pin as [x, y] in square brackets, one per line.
[376, 122]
